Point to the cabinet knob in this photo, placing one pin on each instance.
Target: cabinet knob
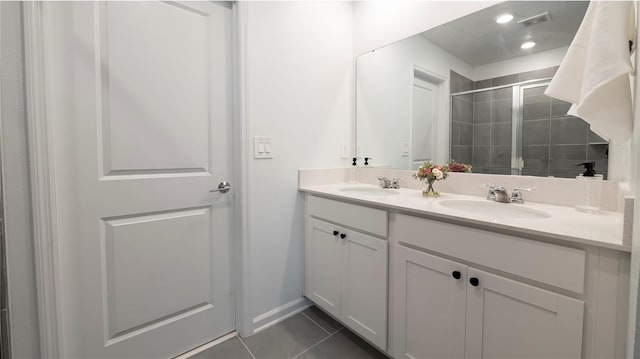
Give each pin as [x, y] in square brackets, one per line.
[456, 274]
[335, 233]
[343, 235]
[474, 281]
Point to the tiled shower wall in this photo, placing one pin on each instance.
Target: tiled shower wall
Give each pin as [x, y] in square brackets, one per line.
[553, 142]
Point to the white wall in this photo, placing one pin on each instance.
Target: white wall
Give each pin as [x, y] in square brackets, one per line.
[536, 61]
[300, 82]
[379, 23]
[15, 176]
[384, 92]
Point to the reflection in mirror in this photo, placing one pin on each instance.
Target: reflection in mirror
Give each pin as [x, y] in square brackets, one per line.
[467, 91]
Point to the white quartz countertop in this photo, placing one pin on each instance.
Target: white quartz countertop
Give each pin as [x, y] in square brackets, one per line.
[564, 224]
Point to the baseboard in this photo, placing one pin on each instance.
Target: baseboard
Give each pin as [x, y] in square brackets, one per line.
[276, 315]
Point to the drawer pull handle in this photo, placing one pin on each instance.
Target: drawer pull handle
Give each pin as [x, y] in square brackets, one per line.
[343, 235]
[456, 274]
[335, 233]
[474, 281]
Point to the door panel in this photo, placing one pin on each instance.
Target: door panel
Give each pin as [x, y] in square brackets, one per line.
[429, 306]
[140, 107]
[324, 266]
[509, 319]
[364, 286]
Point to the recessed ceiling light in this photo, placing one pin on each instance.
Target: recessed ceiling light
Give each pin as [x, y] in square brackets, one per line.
[503, 19]
[527, 45]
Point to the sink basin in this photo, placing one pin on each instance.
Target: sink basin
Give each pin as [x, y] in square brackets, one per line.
[495, 210]
[373, 191]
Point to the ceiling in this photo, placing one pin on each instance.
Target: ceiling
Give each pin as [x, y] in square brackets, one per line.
[478, 40]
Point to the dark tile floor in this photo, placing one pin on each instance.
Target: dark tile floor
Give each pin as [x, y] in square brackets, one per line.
[311, 335]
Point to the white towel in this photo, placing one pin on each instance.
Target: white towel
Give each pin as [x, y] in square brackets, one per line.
[594, 75]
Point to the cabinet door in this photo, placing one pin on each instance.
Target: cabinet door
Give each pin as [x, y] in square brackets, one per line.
[364, 286]
[323, 265]
[509, 319]
[429, 306]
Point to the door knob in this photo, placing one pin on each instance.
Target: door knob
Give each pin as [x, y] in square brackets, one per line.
[456, 274]
[474, 281]
[223, 187]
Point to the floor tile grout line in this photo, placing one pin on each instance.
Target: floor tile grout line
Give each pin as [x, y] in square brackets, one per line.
[246, 347]
[318, 343]
[316, 323]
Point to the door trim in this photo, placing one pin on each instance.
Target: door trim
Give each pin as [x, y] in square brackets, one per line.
[41, 155]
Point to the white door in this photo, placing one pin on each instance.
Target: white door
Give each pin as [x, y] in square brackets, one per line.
[139, 109]
[509, 319]
[429, 306]
[423, 121]
[364, 286]
[323, 265]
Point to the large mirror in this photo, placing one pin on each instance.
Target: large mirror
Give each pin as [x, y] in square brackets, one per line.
[472, 90]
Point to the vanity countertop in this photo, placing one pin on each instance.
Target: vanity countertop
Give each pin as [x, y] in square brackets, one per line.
[564, 224]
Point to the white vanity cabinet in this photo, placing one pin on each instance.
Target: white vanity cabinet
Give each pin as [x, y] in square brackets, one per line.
[459, 292]
[346, 265]
[445, 309]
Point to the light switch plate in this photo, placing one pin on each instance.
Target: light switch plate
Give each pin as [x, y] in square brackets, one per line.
[344, 149]
[262, 147]
[404, 149]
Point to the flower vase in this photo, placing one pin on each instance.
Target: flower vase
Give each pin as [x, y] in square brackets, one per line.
[427, 189]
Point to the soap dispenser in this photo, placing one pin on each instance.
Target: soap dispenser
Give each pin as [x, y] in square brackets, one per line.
[592, 182]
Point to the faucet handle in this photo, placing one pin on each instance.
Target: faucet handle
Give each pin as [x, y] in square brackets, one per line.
[491, 195]
[395, 183]
[516, 194]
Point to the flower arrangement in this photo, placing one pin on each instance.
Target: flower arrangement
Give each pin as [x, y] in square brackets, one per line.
[429, 173]
[458, 167]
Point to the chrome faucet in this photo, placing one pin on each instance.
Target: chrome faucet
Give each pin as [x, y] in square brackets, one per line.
[499, 194]
[384, 182]
[516, 194]
[395, 183]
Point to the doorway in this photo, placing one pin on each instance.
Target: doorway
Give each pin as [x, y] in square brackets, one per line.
[136, 107]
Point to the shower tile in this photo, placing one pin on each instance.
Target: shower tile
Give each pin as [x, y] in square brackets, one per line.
[536, 74]
[500, 134]
[481, 156]
[462, 110]
[500, 171]
[537, 107]
[504, 80]
[500, 157]
[559, 108]
[482, 84]
[535, 91]
[466, 134]
[569, 131]
[567, 157]
[459, 83]
[593, 138]
[599, 153]
[535, 132]
[479, 169]
[482, 96]
[536, 157]
[455, 133]
[501, 111]
[537, 173]
[481, 112]
[481, 135]
[465, 154]
[503, 94]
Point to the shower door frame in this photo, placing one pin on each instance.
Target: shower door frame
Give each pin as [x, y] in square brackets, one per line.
[517, 117]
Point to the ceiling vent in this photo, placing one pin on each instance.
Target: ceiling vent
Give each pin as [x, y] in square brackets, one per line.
[536, 19]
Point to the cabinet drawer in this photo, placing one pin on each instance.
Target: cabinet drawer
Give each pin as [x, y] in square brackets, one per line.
[559, 266]
[366, 219]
